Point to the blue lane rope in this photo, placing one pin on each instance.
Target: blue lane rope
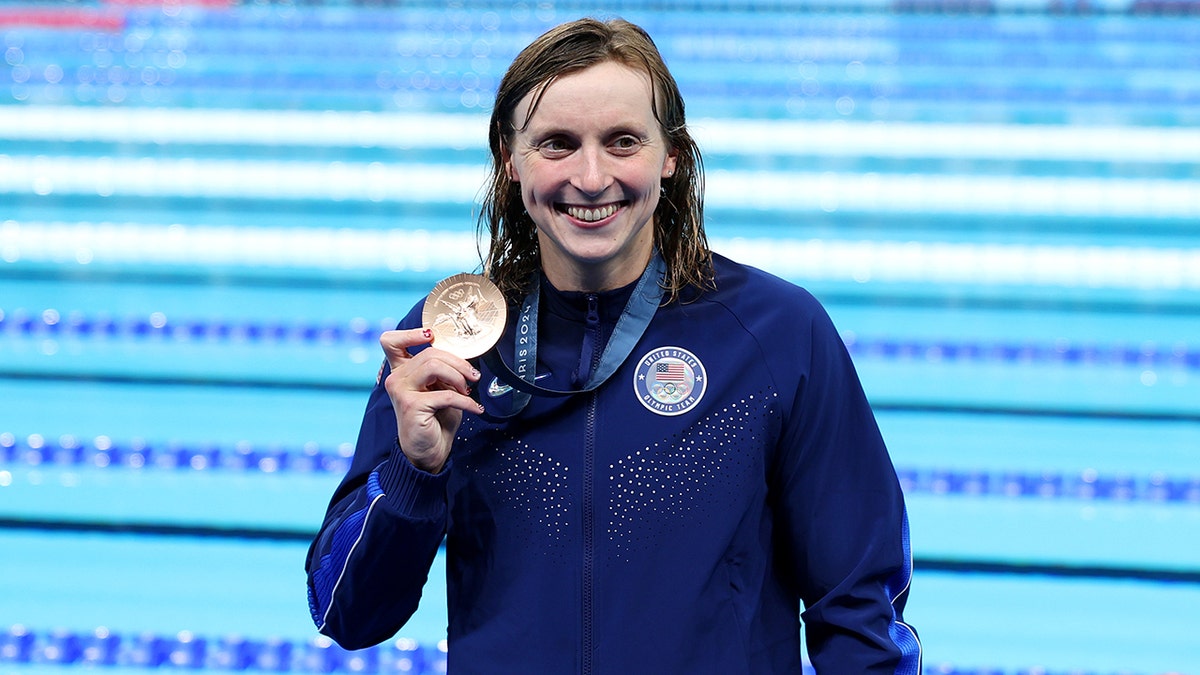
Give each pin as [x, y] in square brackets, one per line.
[103, 453]
[1084, 485]
[21, 646]
[50, 324]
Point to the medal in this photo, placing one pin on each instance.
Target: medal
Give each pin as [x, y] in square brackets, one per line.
[466, 313]
[634, 320]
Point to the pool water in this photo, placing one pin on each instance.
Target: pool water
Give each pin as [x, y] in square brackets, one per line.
[209, 210]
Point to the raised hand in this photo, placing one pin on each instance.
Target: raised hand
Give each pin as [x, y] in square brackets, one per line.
[429, 392]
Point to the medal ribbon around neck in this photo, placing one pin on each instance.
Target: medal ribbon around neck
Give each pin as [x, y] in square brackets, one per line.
[634, 319]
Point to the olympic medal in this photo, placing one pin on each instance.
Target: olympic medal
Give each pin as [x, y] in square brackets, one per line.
[466, 313]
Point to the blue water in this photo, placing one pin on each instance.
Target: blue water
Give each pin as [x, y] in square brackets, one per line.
[171, 429]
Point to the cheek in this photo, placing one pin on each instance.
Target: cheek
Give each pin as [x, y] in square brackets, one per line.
[534, 200]
[542, 185]
[529, 193]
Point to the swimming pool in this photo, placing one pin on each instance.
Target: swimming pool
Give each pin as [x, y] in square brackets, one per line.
[209, 212]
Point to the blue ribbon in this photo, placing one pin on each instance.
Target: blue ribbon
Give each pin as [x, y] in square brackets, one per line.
[631, 325]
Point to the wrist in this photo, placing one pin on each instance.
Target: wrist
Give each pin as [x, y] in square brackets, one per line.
[410, 489]
[430, 466]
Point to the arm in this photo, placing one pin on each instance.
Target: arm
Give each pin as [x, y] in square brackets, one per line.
[372, 555]
[371, 558]
[844, 520]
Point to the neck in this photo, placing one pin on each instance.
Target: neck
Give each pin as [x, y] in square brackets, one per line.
[593, 278]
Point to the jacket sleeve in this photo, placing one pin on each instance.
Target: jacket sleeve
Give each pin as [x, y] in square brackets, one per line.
[386, 520]
[844, 520]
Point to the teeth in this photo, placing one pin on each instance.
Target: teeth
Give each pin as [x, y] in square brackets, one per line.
[591, 215]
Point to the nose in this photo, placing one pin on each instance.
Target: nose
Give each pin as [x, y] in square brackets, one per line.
[592, 176]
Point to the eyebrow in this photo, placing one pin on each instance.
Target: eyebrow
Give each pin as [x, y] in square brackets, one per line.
[620, 129]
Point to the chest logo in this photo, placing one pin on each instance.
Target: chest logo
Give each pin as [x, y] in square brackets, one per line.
[498, 388]
[670, 381]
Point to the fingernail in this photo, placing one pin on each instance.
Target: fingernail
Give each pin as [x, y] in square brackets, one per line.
[475, 374]
[427, 333]
[481, 408]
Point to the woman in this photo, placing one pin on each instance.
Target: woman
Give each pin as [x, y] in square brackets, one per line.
[685, 455]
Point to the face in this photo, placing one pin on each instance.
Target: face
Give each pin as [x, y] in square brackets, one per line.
[590, 163]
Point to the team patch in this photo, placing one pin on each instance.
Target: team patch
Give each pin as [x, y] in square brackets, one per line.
[670, 381]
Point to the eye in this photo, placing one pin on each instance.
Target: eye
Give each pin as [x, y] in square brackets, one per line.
[626, 144]
[555, 147]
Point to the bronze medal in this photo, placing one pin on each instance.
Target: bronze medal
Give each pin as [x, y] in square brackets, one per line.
[466, 313]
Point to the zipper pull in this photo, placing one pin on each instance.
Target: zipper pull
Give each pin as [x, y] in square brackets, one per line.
[593, 311]
[589, 350]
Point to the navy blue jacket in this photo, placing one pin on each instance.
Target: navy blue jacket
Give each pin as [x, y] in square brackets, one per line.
[728, 480]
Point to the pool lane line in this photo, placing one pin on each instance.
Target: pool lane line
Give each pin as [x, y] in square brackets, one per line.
[103, 453]
[57, 649]
[93, 19]
[1041, 412]
[892, 405]
[415, 131]
[188, 381]
[156, 529]
[1059, 570]
[52, 323]
[419, 281]
[415, 281]
[920, 563]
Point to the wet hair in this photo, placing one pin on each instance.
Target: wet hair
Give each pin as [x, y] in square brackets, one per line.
[513, 254]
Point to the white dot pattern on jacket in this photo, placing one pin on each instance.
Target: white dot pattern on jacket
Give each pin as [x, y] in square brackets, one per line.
[533, 481]
[650, 491]
[701, 468]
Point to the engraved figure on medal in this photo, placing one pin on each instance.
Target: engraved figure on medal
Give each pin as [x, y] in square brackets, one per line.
[466, 313]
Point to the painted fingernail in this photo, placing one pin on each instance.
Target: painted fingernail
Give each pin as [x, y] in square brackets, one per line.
[427, 333]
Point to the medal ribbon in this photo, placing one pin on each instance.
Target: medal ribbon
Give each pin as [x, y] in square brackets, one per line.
[631, 325]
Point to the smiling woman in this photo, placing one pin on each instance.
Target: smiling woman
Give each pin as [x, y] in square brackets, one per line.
[590, 158]
[208, 215]
[649, 123]
[698, 460]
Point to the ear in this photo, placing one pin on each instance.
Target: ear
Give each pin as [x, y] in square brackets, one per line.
[506, 162]
[668, 169]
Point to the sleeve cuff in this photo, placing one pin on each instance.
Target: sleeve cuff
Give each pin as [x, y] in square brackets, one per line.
[411, 491]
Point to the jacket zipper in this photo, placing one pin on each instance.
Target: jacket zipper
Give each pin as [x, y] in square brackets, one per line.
[589, 639]
[589, 471]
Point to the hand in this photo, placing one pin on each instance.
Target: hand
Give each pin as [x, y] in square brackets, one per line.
[429, 393]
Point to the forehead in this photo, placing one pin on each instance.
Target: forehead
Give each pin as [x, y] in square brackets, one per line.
[607, 92]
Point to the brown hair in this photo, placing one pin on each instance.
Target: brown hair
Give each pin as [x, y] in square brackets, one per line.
[513, 255]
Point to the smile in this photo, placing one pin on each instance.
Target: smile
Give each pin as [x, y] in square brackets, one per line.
[591, 215]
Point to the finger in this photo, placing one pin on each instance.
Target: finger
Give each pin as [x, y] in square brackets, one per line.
[446, 398]
[435, 369]
[420, 413]
[395, 343]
